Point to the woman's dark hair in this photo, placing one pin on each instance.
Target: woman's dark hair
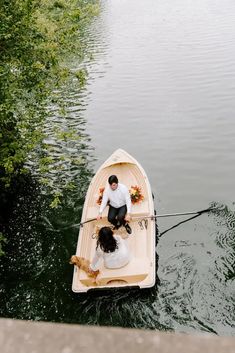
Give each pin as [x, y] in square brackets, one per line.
[106, 241]
[113, 179]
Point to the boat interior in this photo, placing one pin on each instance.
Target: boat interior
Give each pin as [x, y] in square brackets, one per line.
[141, 268]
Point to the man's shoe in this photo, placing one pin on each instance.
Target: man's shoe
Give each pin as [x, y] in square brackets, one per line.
[128, 228]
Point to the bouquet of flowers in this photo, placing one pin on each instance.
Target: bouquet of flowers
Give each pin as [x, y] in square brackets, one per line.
[99, 200]
[136, 194]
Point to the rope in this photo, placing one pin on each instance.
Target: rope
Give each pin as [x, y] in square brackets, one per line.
[176, 225]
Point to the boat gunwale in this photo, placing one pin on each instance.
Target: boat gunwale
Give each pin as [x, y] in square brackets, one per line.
[133, 161]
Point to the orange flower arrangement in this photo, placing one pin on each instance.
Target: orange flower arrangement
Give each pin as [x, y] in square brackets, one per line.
[99, 200]
[135, 193]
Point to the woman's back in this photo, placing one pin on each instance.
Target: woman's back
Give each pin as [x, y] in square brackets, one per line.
[117, 258]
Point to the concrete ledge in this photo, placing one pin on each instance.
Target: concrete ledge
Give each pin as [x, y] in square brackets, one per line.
[42, 337]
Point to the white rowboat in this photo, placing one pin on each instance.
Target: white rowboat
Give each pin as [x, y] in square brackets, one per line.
[141, 270]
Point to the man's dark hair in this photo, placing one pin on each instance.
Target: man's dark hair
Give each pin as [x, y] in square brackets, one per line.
[113, 179]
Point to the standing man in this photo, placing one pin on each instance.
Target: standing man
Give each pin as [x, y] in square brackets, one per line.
[119, 204]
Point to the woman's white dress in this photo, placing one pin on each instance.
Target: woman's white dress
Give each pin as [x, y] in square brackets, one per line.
[116, 259]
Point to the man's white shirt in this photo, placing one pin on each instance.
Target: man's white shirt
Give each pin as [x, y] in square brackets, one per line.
[117, 198]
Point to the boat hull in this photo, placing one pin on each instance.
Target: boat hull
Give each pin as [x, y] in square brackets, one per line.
[141, 271]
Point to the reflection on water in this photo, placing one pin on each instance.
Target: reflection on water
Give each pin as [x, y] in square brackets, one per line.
[160, 86]
[196, 288]
[197, 278]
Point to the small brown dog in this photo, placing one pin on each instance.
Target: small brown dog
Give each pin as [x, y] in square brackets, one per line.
[84, 265]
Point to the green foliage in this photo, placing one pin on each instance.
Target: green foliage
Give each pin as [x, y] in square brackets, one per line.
[35, 37]
[68, 135]
[56, 201]
[81, 76]
[2, 242]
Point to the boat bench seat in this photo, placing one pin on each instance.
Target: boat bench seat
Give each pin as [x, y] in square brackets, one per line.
[135, 271]
[141, 209]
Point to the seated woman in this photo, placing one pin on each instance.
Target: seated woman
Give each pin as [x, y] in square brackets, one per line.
[110, 248]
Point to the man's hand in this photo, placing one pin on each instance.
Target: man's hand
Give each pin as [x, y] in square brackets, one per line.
[99, 217]
[127, 218]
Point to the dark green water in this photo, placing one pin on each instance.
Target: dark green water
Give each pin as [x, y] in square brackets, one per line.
[160, 86]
